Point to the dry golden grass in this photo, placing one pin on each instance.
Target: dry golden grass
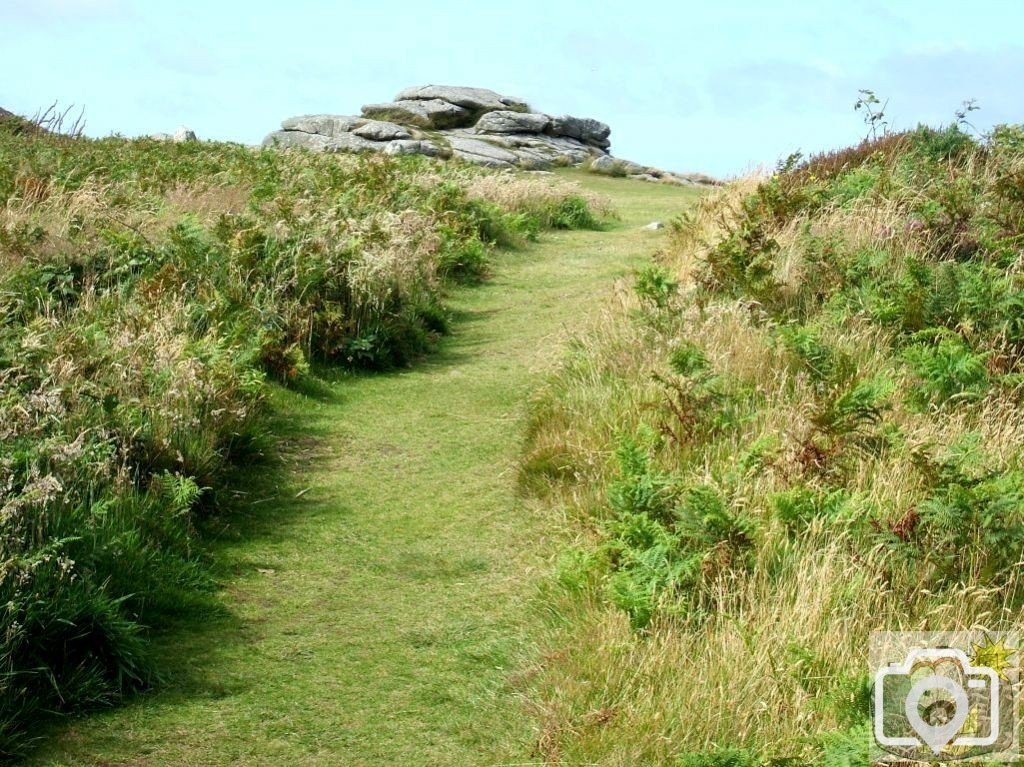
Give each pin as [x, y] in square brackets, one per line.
[524, 193]
[400, 266]
[206, 201]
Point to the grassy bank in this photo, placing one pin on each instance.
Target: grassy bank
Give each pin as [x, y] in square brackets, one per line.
[149, 292]
[377, 590]
[803, 424]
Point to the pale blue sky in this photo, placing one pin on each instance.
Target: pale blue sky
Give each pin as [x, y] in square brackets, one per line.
[716, 86]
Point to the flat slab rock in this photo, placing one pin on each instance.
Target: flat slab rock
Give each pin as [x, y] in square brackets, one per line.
[316, 142]
[430, 113]
[323, 125]
[380, 130]
[412, 146]
[504, 121]
[482, 152]
[551, 150]
[473, 99]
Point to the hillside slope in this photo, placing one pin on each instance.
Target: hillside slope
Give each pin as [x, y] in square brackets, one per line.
[380, 614]
[803, 425]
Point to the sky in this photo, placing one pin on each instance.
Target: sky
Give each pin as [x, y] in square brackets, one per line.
[720, 87]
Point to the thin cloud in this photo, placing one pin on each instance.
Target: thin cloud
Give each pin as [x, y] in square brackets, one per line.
[192, 59]
[930, 85]
[63, 10]
[789, 86]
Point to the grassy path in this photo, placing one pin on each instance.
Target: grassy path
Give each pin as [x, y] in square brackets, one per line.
[380, 617]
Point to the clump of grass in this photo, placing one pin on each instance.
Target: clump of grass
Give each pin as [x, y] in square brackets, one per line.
[149, 293]
[803, 425]
[541, 202]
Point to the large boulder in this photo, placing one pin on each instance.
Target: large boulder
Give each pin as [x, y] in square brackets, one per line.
[316, 142]
[429, 113]
[350, 142]
[482, 152]
[323, 125]
[505, 121]
[604, 164]
[380, 130]
[475, 100]
[404, 147]
[288, 139]
[179, 136]
[582, 129]
[556, 149]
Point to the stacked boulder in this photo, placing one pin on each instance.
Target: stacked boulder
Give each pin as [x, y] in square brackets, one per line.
[472, 124]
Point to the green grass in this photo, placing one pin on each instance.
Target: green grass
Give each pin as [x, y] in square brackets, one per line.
[377, 601]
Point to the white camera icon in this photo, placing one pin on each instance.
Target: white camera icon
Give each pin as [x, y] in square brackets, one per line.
[937, 736]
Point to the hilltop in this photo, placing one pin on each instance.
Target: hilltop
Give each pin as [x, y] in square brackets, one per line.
[16, 123]
[476, 125]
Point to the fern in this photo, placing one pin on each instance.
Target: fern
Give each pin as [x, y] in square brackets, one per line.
[654, 284]
[976, 525]
[948, 372]
[650, 564]
[706, 520]
[639, 490]
[688, 360]
[855, 412]
[798, 507]
[848, 748]
[824, 364]
[180, 492]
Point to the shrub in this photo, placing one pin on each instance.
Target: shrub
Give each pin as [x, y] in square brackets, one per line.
[743, 263]
[574, 213]
[942, 145]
